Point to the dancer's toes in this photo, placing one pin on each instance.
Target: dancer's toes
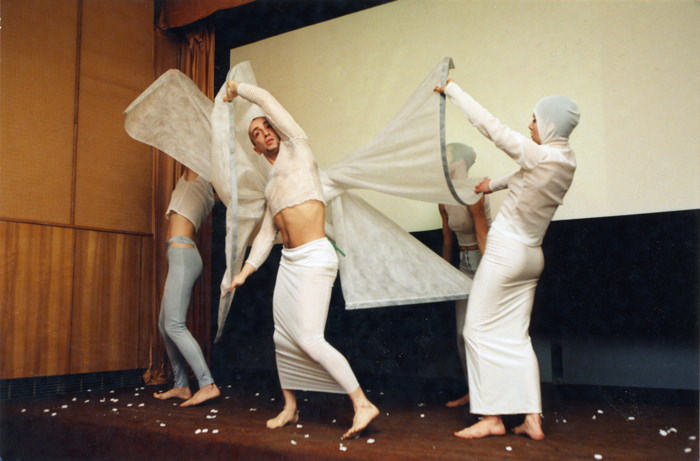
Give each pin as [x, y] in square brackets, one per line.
[183, 393]
[202, 395]
[458, 402]
[286, 416]
[531, 427]
[488, 426]
[363, 416]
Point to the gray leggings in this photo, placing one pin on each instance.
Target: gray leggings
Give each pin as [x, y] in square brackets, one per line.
[184, 267]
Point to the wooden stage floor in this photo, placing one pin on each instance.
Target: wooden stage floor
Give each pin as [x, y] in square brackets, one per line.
[129, 424]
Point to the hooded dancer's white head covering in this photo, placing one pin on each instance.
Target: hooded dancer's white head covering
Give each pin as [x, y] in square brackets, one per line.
[460, 158]
[556, 116]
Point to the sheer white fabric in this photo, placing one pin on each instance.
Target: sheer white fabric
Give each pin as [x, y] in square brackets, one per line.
[412, 143]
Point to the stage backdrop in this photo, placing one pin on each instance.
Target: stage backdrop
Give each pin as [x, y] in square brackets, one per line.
[632, 66]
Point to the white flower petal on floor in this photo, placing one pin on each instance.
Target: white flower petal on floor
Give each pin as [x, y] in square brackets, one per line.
[293, 442]
[253, 409]
[509, 448]
[688, 450]
[597, 456]
[600, 412]
[198, 431]
[343, 447]
[630, 418]
[663, 433]
[299, 426]
[370, 441]
[215, 431]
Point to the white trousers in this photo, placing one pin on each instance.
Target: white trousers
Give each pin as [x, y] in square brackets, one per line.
[503, 369]
[305, 360]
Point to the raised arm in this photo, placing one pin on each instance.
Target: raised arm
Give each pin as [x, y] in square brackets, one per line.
[277, 115]
[521, 149]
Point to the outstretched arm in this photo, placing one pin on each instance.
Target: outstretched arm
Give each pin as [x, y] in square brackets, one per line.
[274, 111]
[521, 149]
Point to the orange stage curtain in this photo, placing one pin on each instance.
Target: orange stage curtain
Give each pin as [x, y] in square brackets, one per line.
[177, 13]
[193, 54]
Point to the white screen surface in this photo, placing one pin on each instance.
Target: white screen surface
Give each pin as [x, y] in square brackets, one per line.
[632, 66]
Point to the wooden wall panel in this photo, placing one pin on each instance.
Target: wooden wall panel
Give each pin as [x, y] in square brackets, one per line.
[36, 273]
[105, 327]
[147, 323]
[37, 95]
[113, 182]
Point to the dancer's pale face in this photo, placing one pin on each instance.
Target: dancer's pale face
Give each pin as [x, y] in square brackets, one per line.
[265, 139]
[534, 131]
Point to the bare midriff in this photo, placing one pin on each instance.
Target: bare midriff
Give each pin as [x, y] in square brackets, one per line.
[301, 223]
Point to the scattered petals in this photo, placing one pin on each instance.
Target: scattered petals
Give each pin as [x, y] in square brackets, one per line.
[370, 441]
[253, 409]
[215, 431]
[630, 418]
[343, 447]
[142, 404]
[205, 431]
[24, 410]
[162, 424]
[692, 437]
[74, 399]
[597, 456]
[293, 442]
[306, 436]
[213, 411]
[299, 426]
[129, 405]
[509, 448]
[198, 431]
[688, 450]
[663, 433]
[54, 414]
[600, 412]
[422, 415]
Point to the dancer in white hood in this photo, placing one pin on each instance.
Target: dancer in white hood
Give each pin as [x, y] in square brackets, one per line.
[469, 226]
[503, 370]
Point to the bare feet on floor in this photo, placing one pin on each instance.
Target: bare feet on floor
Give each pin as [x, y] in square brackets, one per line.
[489, 425]
[364, 414]
[202, 395]
[183, 393]
[531, 427]
[458, 402]
[286, 416]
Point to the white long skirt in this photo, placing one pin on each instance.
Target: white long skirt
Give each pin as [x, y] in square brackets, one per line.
[305, 360]
[503, 369]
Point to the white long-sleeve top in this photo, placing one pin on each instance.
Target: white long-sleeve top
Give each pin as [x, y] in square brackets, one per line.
[538, 188]
[192, 199]
[294, 177]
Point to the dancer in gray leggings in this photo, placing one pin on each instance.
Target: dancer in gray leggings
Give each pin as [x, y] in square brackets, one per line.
[190, 203]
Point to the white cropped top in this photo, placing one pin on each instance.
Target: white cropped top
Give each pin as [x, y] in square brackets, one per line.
[192, 199]
[294, 177]
[460, 221]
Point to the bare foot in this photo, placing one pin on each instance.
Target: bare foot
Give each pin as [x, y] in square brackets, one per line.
[489, 425]
[183, 393]
[202, 395]
[364, 414]
[532, 427]
[285, 417]
[458, 402]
